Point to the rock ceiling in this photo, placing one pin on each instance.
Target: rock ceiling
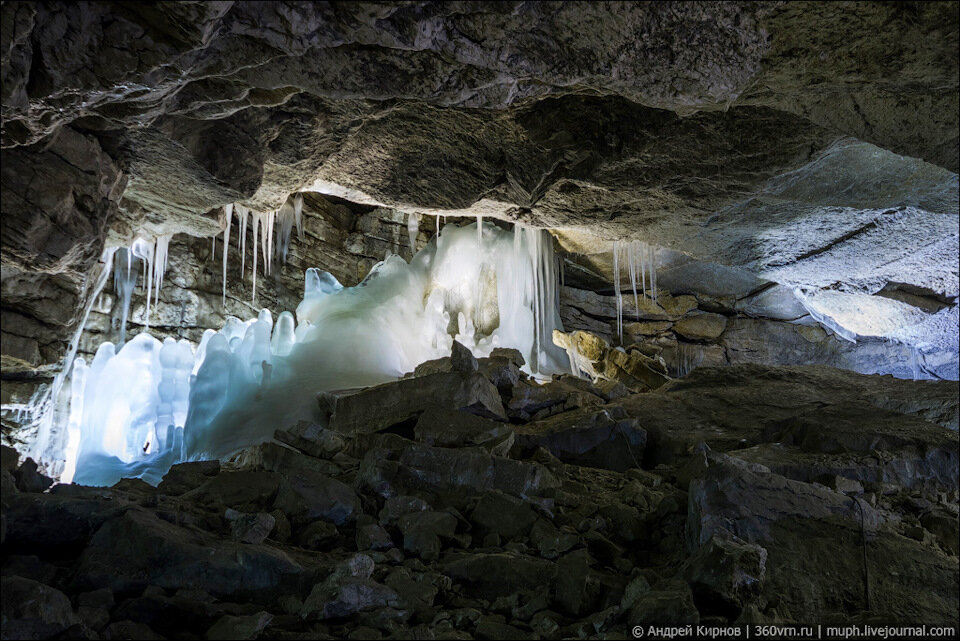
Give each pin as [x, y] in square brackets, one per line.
[777, 137]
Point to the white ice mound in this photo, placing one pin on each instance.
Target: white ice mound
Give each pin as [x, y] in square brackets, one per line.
[137, 411]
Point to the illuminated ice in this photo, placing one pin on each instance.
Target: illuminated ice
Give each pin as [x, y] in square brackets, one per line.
[138, 409]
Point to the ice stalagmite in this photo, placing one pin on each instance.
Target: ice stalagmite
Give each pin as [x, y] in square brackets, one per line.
[413, 227]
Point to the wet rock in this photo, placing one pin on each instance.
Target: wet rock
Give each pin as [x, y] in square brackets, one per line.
[250, 528]
[34, 610]
[700, 327]
[313, 439]
[242, 627]
[605, 438]
[379, 407]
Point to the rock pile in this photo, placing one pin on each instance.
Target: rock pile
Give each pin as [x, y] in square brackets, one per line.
[467, 501]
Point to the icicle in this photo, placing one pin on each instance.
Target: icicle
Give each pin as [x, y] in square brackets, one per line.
[632, 262]
[242, 213]
[256, 226]
[437, 217]
[228, 214]
[160, 262]
[480, 232]
[288, 218]
[413, 226]
[124, 281]
[298, 214]
[213, 249]
[616, 288]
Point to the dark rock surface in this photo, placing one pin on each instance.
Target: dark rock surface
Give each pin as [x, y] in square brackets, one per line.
[756, 488]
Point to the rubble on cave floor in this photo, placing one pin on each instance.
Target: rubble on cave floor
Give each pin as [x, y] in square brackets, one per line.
[490, 507]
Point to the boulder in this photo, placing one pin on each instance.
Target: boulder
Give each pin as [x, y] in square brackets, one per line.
[502, 514]
[580, 590]
[32, 610]
[246, 490]
[488, 576]
[725, 572]
[382, 406]
[423, 530]
[605, 438]
[668, 605]
[312, 438]
[242, 628]
[136, 550]
[701, 327]
[250, 528]
[347, 591]
[448, 428]
[29, 479]
[183, 477]
[318, 535]
[437, 469]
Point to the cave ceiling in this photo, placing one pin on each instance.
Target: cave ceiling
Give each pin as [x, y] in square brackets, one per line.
[776, 137]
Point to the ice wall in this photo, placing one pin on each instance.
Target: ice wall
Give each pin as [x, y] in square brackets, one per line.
[136, 410]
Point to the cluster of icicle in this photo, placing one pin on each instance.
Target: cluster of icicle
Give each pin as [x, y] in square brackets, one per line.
[290, 215]
[640, 259]
[137, 409]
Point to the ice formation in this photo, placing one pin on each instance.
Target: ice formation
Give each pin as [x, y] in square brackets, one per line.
[136, 410]
[640, 259]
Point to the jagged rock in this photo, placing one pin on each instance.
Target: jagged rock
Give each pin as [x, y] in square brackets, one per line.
[313, 439]
[32, 610]
[505, 515]
[250, 528]
[945, 526]
[244, 628]
[347, 591]
[703, 326]
[29, 479]
[137, 549]
[530, 401]
[183, 477]
[491, 575]
[38, 521]
[9, 458]
[447, 428]
[550, 541]
[317, 535]
[726, 570]
[445, 470]
[423, 530]
[671, 604]
[605, 438]
[379, 407]
[579, 589]
[370, 536]
[593, 356]
[130, 630]
[246, 490]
